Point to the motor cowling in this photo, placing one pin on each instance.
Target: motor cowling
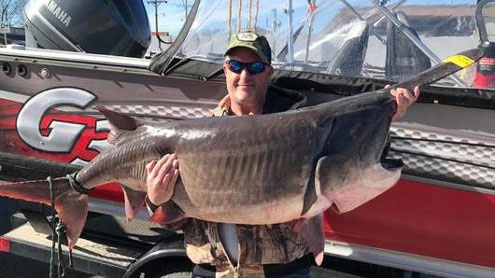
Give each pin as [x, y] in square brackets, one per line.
[114, 27]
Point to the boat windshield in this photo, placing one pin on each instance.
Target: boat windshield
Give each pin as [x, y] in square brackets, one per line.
[390, 40]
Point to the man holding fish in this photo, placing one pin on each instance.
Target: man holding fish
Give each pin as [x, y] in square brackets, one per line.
[224, 249]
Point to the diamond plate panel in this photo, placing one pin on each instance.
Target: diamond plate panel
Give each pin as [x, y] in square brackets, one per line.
[463, 158]
[162, 111]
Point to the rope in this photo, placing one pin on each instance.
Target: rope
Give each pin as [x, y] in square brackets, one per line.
[74, 184]
[239, 15]
[58, 231]
[61, 263]
[230, 18]
[256, 16]
[249, 14]
[52, 204]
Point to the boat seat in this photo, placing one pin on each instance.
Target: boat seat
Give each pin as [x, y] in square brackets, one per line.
[350, 59]
[403, 59]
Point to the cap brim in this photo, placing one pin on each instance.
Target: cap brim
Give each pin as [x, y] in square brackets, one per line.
[259, 53]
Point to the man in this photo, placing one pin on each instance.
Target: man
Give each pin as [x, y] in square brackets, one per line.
[222, 249]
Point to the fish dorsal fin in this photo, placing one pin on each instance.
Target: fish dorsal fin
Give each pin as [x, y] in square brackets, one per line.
[120, 124]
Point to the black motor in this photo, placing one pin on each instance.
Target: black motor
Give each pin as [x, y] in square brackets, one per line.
[114, 27]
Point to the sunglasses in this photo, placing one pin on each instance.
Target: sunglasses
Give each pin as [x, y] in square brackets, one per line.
[253, 68]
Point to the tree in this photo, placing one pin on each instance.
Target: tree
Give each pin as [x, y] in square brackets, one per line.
[12, 11]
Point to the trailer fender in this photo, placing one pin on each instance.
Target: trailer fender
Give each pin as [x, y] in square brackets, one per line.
[173, 249]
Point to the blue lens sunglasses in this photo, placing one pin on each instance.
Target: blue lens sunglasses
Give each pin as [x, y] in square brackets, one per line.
[253, 68]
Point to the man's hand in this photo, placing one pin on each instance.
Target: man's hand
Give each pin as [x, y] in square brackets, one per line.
[404, 98]
[161, 178]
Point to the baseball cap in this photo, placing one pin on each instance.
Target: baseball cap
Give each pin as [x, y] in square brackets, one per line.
[258, 43]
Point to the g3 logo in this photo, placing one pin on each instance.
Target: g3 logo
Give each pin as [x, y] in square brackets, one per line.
[62, 135]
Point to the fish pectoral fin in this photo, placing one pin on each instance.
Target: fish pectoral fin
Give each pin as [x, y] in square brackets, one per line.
[167, 213]
[314, 202]
[310, 196]
[133, 200]
[313, 234]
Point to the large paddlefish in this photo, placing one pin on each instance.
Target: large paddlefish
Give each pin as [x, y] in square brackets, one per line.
[260, 169]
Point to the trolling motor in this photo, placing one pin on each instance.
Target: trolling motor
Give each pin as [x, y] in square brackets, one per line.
[485, 69]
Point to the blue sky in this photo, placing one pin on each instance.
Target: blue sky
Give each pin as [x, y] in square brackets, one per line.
[171, 15]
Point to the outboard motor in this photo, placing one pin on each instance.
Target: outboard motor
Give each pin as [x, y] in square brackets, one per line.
[114, 27]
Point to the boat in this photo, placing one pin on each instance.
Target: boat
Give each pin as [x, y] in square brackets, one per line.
[438, 219]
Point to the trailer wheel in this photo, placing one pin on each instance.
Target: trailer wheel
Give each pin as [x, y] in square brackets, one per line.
[168, 268]
[175, 275]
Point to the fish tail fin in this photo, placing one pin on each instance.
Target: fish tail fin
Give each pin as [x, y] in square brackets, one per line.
[71, 206]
